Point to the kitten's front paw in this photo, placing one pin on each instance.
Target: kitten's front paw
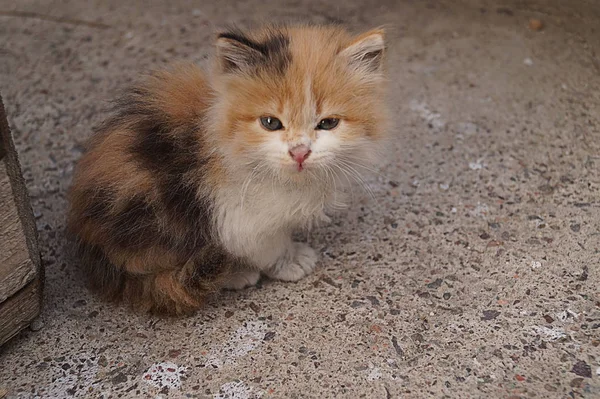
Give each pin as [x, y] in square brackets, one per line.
[241, 280]
[300, 262]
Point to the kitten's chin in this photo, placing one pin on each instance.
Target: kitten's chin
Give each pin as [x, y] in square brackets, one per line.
[296, 172]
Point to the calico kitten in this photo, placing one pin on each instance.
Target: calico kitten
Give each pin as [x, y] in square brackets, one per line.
[198, 180]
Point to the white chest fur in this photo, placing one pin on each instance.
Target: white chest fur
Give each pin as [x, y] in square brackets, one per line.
[256, 222]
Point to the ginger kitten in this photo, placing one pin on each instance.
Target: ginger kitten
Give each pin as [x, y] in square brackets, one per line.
[197, 181]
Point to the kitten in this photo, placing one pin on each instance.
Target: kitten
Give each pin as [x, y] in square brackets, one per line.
[198, 180]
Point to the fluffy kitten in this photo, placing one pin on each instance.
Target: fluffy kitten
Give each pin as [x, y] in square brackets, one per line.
[197, 181]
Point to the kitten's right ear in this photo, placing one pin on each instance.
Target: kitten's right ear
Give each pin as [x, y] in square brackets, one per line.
[236, 52]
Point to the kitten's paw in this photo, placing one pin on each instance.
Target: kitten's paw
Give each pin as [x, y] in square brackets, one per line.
[297, 264]
[242, 279]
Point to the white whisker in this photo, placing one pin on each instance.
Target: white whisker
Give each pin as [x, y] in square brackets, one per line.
[357, 177]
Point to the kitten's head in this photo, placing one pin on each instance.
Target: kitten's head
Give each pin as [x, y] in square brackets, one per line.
[299, 102]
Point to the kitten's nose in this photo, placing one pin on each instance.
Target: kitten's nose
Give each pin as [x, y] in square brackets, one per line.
[300, 153]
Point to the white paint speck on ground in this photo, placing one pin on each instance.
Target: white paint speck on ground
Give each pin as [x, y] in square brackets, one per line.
[240, 342]
[480, 211]
[477, 165]
[374, 373]
[528, 61]
[598, 371]
[467, 129]
[444, 186]
[236, 390]
[431, 117]
[552, 334]
[523, 312]
[535, 265]
[164, 374]
[567, 316]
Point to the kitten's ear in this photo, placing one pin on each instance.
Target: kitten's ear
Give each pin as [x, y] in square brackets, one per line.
[366, 51]
[236, 52]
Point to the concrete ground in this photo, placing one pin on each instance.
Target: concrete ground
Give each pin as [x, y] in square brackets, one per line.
[474, 273]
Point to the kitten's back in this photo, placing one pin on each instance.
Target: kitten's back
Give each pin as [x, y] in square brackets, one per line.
[140, 209]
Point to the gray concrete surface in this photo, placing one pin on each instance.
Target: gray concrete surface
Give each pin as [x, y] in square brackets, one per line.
[473, 274]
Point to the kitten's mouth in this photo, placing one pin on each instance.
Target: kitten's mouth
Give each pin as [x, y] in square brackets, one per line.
[295, 169]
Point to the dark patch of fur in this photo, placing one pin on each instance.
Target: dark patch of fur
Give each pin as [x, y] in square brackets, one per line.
[277, 52]
[212, 259]
[239, 36]
[183, 206]
[134, 227]
[153, 146]
[276, 56]
[172, 153]
[100, 203]
[101, 275]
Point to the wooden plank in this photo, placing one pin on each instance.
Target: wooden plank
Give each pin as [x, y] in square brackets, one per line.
[16, 269]
[20, 194]
[21, 272]
[2, 149]
[19, 310]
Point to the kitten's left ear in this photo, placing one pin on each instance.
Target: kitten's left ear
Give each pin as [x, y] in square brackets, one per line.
[366, 51]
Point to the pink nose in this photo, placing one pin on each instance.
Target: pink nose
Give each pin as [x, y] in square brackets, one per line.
[300, 153]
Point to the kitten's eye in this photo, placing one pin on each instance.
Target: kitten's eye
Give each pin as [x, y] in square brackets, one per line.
[271, 123]
[328, 124]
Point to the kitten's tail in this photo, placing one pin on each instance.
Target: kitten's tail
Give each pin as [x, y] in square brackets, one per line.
[166, 292]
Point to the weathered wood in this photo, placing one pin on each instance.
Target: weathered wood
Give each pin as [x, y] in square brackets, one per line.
[21, 273]
[17, 312]
[16, 269]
